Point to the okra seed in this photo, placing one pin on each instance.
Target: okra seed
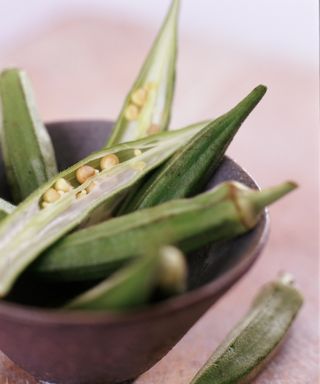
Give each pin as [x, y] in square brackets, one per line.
[137, 152]
[139, 97]
[62, 185]
[44, 204]
[139, 165]
[132, 112]
[84, 173]
[61, 193]
[150, 86]
[109, 161]
[81, 194]
[91, 187]
[51, 196]
[154, 128]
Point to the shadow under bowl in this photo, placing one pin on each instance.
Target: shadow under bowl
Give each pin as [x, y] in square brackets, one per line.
[101, 348]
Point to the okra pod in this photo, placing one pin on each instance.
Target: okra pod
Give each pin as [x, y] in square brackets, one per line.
[132, 286]
[65, 201]
[147, 107]
[26, 146]
[246, 350]
[5, 208]
[228, 210]
[189, 170]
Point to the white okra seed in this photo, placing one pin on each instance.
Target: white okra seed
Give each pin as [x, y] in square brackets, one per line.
[109, 161]
[139, 97]
[91, 187]
[51, 195]
[132, 112]
[84, 173]
[81, 194]
[63, 185]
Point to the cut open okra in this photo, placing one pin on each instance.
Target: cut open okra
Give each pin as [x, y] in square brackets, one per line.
[26, 146]
[147, 108]
[69, 198]
[228, 210]
[190, 169]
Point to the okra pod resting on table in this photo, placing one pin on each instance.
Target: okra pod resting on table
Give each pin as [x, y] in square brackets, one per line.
[147, 108]
[228, 210]
[246, 350]
[102, 179]
[190, 169]
[26, 146]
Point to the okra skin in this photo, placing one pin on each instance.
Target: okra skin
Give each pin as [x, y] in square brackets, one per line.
[30, 229]
[245, 351]
[128, 288]
[157, 80]
[5, 208]
[26, 146]
[227, 211]
[190, 169]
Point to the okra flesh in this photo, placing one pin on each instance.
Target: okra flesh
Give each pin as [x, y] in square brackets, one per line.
[190, 169]
[30, 229]
[26, 146]
[155, 82]
[223, 213]
[5, 208]
[128, 288]
[246, 350]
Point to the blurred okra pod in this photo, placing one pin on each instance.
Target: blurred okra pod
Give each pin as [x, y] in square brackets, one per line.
[26, 146]
[147, 107]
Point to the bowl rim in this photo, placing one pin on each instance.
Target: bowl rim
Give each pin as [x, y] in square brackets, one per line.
[173, 304]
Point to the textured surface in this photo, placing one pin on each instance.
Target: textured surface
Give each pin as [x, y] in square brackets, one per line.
[83, 67]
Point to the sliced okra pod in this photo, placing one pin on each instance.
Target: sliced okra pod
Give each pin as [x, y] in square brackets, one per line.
[246, 350]
[26, 146]
[130, 287]
[228, 210]
[147, 107]
[66, 200]
[5, 208]
[189, 170]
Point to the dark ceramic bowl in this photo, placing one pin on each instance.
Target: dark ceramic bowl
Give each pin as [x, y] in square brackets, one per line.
[92, 348]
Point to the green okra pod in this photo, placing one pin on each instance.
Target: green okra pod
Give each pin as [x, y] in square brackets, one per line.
[5, 208]
[26, 146]
[245, 351]
[102, 179]
[131, 286]
[189, 170]
[147, 107]
[228, 210]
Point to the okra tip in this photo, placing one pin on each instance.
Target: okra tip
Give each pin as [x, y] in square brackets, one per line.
[268, 196]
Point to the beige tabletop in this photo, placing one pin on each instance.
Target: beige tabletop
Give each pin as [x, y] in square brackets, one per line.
[82, 67]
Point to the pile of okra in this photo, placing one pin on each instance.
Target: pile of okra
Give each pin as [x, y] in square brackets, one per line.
[117, 224]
